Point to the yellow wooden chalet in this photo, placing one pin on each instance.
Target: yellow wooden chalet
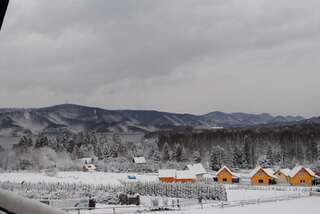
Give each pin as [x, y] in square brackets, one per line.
[262, 176]
[302, 176]
[225, 175]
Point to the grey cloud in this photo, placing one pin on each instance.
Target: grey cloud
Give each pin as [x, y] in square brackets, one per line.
[187, 56]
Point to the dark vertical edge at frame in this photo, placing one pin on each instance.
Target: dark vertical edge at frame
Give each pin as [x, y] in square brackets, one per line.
[3, 9]
[3, 209]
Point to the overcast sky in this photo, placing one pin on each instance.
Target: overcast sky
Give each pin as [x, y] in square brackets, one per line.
[173, 55]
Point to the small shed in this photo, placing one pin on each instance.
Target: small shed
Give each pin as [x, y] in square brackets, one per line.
[282, 175]
[167, 175]
[185, 176]
[302, 176]
[89, 168]
[262, 176]
[139, 160]
[225, 175]
[197, 170]
[86, 160]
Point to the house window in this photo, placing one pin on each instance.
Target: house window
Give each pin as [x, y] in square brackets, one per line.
[302, 181]
[224, 180]
[260, 181]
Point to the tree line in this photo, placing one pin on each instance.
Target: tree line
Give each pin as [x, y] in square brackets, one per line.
[248, 147]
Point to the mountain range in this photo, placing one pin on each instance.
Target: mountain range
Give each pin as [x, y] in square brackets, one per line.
[76, 118]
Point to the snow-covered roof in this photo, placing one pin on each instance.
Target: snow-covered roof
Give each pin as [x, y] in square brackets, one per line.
[226, 168]
[139, 160]
[167, 173]
[197, 168]
[268, 171]
[285, 171]
[298, 168]
[185, 174]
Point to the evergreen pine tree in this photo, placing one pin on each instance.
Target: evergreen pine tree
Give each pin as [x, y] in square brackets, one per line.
[237, 160]
[246, 155]
[196, 156]
[217, 157]
[177, 151]
[165, 156]
[184, 155]
[270, 156]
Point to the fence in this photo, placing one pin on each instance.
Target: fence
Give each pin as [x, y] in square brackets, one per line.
[186, 205]
[107, 210]
[269, 187]
[236, 203]
[188, 191]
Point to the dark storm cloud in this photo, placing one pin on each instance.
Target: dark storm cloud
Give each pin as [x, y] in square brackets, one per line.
[186, 56]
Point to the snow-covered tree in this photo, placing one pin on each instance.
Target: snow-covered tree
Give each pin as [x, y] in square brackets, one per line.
[238, 159]
[86, 150]
[165, 153]
[217, 157]
[41, 141]
[270, 156]
[196, 156]
[184, 155]
[177, 151]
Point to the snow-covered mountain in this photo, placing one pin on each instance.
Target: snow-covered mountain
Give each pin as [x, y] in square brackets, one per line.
[75, 118]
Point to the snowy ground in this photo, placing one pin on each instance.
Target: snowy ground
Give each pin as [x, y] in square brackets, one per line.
[115, 179]
[75, 177]
[309, 204]
[244, 194]
[303, 205]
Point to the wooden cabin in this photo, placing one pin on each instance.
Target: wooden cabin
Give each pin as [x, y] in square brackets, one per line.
[282, 175]
[225, 175]
[262, 176]
[197, 169]
[302, 176]
[185, 176]
[167, 175]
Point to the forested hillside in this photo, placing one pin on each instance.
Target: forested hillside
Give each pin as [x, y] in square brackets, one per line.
[236, 147]
[242, 148]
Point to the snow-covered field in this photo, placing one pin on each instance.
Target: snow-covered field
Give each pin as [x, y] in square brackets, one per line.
[105, 178]
[245, 194]
[75, 177]
[309, 204]
[296, 206]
